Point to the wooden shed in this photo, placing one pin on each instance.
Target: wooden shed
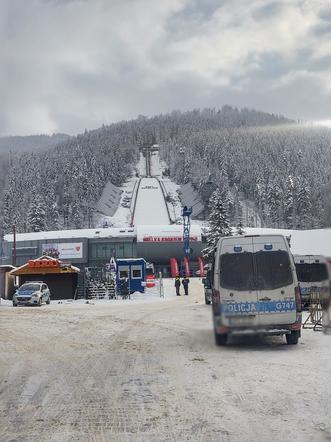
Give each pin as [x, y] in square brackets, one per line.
[7, 282]
[61, 278]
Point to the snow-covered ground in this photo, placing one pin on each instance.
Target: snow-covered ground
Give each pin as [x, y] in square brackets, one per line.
[156, 165]
[152, 294]
[150, 371]
[141, 166]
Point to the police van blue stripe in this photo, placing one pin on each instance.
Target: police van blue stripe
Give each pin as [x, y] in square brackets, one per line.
[238, 308]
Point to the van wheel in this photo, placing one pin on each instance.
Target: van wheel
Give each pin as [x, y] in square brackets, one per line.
[293, 338]
[220, 339]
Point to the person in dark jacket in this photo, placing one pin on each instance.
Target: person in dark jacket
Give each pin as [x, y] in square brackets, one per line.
[185, 283]
[177, 285]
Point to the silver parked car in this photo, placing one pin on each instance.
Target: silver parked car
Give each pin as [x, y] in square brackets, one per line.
[32, 293]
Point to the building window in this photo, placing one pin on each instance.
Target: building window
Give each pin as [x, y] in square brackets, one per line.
[124, 274]
[136, 273]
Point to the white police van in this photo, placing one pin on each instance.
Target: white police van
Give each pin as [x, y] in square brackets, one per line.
[255, 288]
[313, 275]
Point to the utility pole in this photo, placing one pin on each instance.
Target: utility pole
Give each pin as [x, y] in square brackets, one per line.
[14, 246]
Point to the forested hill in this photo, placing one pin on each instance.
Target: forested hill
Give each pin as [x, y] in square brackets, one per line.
[285, 170]
[50, 189]
[243, 151]
[57, 188]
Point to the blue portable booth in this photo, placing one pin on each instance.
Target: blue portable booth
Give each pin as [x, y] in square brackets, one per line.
[134, 270]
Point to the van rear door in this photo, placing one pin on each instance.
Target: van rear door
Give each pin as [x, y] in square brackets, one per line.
[238, 296]
[275, 281]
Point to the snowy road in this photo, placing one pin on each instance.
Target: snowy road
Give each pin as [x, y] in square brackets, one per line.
[151, 372]
[150, 207]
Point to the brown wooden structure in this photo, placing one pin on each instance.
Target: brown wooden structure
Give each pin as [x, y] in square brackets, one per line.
[61, 278]
[7, 282]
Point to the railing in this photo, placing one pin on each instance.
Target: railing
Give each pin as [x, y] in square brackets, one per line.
[164, 193]
[134, 196]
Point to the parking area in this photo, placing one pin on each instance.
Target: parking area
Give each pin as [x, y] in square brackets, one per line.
[149, 370]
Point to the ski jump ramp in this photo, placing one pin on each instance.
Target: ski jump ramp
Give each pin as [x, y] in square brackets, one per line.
[150, 206]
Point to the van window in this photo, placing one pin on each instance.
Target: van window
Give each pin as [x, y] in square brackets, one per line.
[314, 272]
[273, 270]
[236, 271]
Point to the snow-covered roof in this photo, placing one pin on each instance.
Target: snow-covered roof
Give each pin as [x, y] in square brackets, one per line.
[303, 242]
[17, 269]
[108, 232]
[191, 198]
[109, 200]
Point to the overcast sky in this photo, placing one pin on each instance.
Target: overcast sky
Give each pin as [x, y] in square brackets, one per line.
[67, 65]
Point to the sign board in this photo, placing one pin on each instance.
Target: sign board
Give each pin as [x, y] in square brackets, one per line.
[67, 250]
[42, 263]
[170, 233]
[167, 238]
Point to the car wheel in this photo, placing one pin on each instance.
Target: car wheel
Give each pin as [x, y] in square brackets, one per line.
[221, 339]
[293, 338]
[207, 301]
[40, 302]
[48, 301]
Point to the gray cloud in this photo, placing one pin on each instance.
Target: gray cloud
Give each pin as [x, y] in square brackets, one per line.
[269, 10]
[76, 64]
[325, 14]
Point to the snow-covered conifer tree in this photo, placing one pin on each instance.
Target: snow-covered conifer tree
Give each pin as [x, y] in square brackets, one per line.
[36, 217]
[218, 221]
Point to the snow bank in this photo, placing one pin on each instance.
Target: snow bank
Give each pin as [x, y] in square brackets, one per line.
[5, 303]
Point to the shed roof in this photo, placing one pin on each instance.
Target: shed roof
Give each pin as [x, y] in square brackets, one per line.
[63, 268]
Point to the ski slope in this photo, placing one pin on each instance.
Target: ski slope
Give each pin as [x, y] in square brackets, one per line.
[150, 207]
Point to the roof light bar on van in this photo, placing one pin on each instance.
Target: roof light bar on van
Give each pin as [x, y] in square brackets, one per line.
[267, 246]
[237, 249]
